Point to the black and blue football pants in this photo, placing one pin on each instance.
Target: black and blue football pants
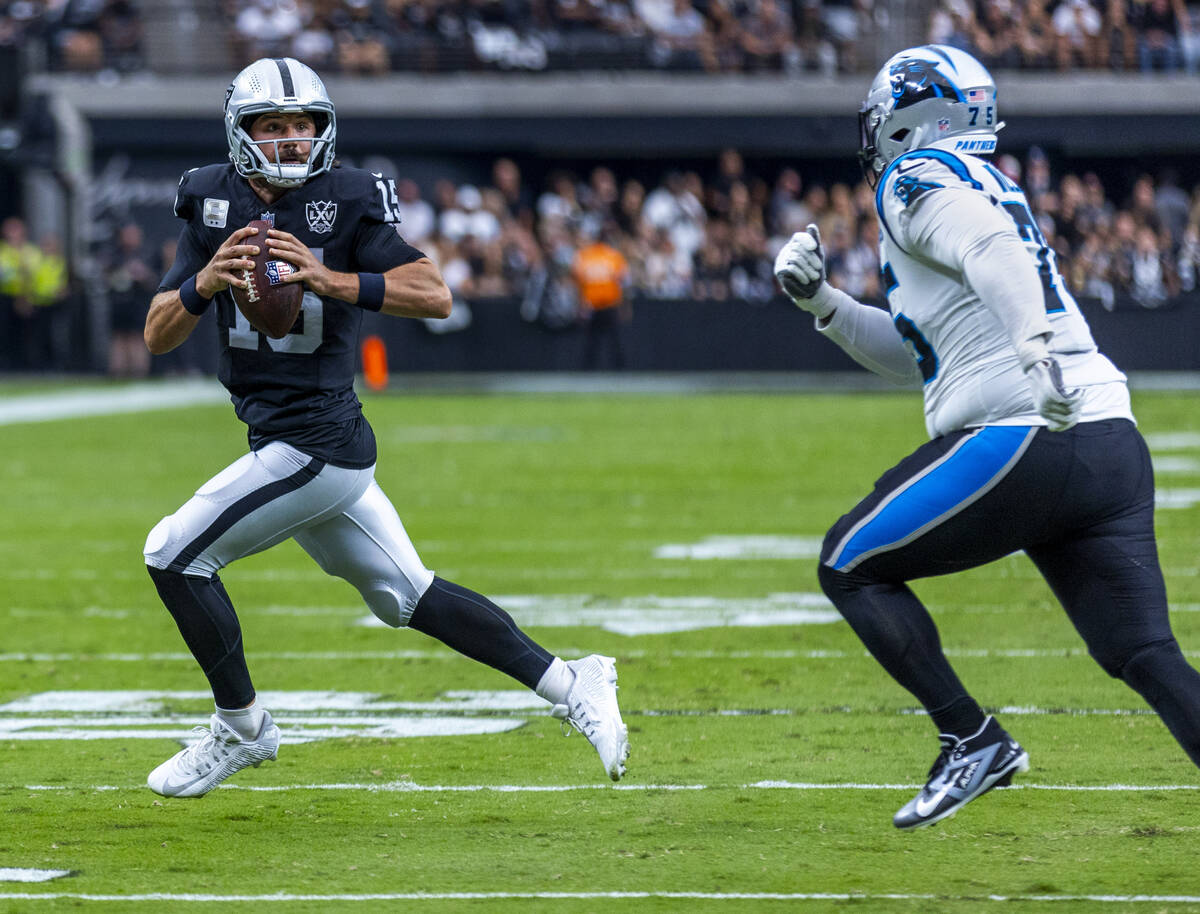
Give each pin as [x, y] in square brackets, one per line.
[1079, 503]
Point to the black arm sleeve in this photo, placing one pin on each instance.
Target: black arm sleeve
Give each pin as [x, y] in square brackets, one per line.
[190, 258]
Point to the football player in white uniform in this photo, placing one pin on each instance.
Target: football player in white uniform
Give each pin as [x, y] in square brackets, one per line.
[1033, 444]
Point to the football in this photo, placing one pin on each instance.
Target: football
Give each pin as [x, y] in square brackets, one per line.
[270, 304]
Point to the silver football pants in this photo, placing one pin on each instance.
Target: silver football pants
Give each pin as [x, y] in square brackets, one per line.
[338, 516]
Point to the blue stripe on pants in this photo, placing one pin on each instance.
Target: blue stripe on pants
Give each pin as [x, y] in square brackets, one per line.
[939, 491]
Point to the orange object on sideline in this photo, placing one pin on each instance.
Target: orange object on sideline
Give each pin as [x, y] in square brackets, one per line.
[374, 362]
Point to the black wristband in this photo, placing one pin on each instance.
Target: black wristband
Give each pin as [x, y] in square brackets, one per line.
[193, 302]
[371, 288]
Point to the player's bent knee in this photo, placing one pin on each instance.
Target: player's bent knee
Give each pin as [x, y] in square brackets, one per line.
[836, 583]
[388, 604]
[157, 541]
[1145, 663]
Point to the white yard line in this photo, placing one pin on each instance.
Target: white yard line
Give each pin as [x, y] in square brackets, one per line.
[102, 401]
[184, 657]
[287, 897]
[410, 787]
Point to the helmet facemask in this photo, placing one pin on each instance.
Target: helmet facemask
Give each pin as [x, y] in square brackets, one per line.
[263, 159]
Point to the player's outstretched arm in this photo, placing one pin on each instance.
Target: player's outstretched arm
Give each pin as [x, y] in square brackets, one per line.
[174, 314]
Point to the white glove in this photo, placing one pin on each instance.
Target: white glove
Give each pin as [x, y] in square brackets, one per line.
[1057, 405]
[800, 269]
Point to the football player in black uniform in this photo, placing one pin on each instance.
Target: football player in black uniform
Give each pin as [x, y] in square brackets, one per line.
[309, 474]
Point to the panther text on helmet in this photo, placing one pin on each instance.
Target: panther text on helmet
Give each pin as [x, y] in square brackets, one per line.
[261, 104]
[928, 97]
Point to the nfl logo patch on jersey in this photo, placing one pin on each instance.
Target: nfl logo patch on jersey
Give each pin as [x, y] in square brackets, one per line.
[277, 270]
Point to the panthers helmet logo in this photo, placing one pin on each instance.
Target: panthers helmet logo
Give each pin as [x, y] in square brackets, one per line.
[915, 80]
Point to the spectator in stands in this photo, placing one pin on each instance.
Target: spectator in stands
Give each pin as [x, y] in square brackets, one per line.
[1158, 27]
[813, 41]
[1152, 278]
[130, 280]
[46, 343]
[629, 210]
[417, 218]
[313, 43]
[560, 200]
[681, 37]
[1171, 204]
[1078, 35]
[996, 35]
[675, 210]
[120, 28]
[766, 39]
[1188, 261]
[751, 274]
[787, 212]
[599, 199]
[601, 275]
[518, 202]
[845, 21]
[666, 271]
[1121, 43]
[468, 217]
[951, 22]
[265, 28]
[18, 264]
[360, 38]
[710, 276]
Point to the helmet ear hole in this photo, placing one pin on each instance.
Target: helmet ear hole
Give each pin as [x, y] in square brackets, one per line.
[899, 135]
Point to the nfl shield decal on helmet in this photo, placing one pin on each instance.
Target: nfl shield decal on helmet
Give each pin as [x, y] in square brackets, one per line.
[320, 215]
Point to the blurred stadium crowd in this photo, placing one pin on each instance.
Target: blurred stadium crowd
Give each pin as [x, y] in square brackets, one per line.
[368, 37]
[687, 237]
[696, 233]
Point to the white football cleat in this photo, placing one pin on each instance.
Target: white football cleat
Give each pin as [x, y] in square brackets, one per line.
[220, 752]
[591, 709]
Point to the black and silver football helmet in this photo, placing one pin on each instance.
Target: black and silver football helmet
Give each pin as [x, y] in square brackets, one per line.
[286, 86]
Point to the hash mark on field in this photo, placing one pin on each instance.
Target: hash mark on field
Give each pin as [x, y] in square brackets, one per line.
[743, 547]
[17, 874]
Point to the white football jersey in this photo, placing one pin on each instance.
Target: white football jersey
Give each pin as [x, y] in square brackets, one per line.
[966, 356]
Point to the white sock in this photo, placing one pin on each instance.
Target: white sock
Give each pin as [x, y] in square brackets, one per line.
[245, 721]
[556, 682]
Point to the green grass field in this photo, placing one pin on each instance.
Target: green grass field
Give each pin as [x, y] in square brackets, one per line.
[769, 752]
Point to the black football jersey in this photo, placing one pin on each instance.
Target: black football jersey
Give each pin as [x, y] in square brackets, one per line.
[299, 388]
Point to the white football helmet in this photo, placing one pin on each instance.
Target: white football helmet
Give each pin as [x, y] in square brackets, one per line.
[934, 96]
[286, 86]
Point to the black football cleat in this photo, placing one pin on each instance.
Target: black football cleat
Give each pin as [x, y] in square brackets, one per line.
[966, 768]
